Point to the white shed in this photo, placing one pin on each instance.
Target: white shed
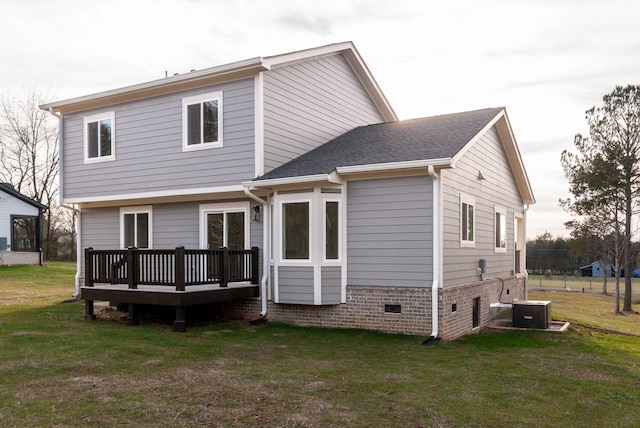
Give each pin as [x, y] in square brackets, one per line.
[20, 220]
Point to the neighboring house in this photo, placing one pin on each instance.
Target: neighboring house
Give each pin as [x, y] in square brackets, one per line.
[20, 220]
[596, 269]
[359, 220]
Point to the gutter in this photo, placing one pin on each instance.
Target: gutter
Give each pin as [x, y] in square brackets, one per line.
[265, 245]
[76, 280]
[436, 257]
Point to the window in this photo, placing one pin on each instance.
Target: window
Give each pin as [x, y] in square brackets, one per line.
[135, 227]
[201, 121]
[295, 231]
[99, 137]
[500, 230]
[332, 230]
[24, 233]
[224, 225]
[467, 221]
[309, 227]
[225, 229]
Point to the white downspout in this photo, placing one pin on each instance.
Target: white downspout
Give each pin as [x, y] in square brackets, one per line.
[265, 251]
[524, 253]
[436, 251]
[76, 280]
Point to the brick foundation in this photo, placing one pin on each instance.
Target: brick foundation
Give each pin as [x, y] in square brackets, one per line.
[458, 323]
[365, 308]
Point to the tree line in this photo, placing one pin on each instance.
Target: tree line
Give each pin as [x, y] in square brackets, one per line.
[604, 184]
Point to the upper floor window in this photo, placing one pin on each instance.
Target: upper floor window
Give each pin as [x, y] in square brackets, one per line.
[99, 137]
[500, 229]
[202, 121]
[136, 227]
[467, 221]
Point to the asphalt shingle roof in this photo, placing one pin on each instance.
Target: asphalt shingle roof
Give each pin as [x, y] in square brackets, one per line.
[435, 137]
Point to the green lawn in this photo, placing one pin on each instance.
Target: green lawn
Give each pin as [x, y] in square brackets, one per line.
[58, 370]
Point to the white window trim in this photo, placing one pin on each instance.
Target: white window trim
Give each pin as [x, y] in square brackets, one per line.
[466, 199]
[111, 115]
[211, 96]
[224, 208]
[326, 261]
[503, 212]
[291, 199]
[148, 209]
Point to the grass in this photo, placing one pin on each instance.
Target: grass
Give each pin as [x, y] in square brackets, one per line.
[60, 371]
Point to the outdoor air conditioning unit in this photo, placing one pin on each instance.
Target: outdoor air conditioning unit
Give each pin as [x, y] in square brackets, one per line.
[532, 314]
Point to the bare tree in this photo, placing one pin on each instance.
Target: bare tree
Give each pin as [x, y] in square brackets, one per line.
[29, 154]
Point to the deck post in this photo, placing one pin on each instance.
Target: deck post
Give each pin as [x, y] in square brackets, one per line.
[132, 267]
[224, 267]
[132, 317]
[179, 269]
[180, 323]
[88, 267]
[88, 311]
[255, 273]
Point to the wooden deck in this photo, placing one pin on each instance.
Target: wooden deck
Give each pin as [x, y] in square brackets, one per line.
[178, 278]
[168, 296]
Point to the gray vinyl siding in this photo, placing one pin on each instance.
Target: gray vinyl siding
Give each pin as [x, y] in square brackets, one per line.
[100, 229]
[148, 147]
[498, 188]
[331, 285]
[309, 103]
[295, 285]
[389, 232]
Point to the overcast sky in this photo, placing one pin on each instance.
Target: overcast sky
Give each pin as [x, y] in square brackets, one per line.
[547, 62]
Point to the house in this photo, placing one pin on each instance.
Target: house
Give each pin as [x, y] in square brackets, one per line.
[293, 171]
[596, 269]
[20, 220]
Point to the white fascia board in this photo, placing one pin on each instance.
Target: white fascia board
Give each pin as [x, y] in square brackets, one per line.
[394, 166]
[171, 84]
[329, 178]
[305, 54]
[354, 60]
[476, 137]
[156, 195]
[503, 126]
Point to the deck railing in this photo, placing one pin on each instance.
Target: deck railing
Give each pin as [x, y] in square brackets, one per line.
[178, 268]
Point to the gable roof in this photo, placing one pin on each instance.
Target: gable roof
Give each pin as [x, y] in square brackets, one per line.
[438, 141]
[225, 73]
[10, 190]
